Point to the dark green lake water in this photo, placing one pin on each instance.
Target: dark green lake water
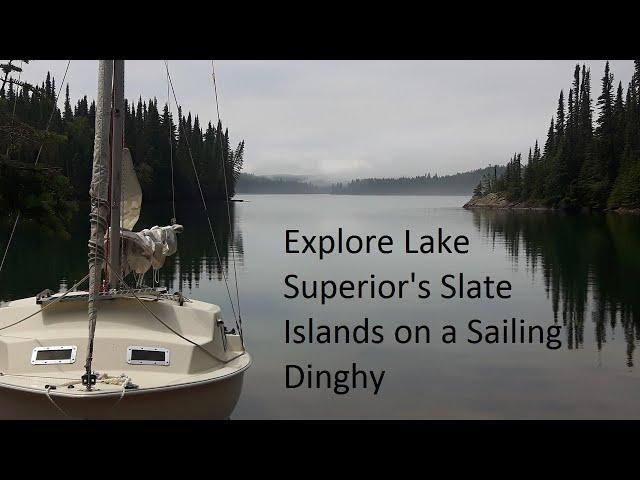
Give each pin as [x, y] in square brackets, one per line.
[580, 272]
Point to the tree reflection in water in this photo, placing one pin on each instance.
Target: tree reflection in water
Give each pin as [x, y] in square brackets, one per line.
[589, 263]
[37, 261]
[197, 255]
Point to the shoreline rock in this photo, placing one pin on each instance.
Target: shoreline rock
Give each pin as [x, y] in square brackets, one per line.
[625, 210]
[499, 201]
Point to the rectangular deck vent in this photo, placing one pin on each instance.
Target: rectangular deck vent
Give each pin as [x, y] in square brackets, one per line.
[53, 355]
[147, 356]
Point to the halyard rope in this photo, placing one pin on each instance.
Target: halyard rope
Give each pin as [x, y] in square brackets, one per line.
[204, 203]
[226, 191]
[173, 192]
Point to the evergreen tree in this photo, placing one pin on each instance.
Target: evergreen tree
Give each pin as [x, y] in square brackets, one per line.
[626, 189]
[618, 134]
[68, 145]
[560, 116]
[550, 144]
[580, 165]
[527, 183]
[68, 113]
[598, 171]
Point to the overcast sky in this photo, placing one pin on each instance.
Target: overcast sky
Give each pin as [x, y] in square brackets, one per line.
[346, 119]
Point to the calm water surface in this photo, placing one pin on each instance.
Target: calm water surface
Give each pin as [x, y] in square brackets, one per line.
[580, 272]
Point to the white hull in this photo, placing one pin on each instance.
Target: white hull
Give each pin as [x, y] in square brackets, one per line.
[199, 382]
[200, 401]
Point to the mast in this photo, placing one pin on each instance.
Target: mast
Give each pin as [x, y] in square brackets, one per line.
[116, 171]
[99, 200]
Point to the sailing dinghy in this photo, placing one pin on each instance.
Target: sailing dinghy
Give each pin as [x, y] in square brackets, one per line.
[148, 354]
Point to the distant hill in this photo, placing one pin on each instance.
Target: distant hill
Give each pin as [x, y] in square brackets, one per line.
[458, 184]
[273, 184]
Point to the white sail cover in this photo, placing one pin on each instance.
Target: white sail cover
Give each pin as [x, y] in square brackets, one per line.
[131, 193]
[148, 248]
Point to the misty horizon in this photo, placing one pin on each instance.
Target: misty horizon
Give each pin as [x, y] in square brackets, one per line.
[340, 120]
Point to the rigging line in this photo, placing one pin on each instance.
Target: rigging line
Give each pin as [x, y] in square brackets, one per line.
[226, 191]
[6, 250]
[43, 308]
[168, 327]
[173, 191]
[204, 203]
[15, 103]
[215, 88]
[13, 115]
[53, 402]
[53, 111]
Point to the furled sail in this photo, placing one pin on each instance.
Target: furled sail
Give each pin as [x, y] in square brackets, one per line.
[131, 193]
[98, 191]
[148, 248]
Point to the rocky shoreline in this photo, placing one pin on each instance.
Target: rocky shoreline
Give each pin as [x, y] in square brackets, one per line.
[499, 201]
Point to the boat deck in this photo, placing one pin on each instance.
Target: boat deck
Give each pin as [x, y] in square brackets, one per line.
[123, 325]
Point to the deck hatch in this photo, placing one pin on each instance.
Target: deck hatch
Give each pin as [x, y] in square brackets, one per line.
[53, 355]
[148, 356]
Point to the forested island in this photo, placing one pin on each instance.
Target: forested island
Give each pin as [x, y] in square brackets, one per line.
[35, 124]
[581, 165]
